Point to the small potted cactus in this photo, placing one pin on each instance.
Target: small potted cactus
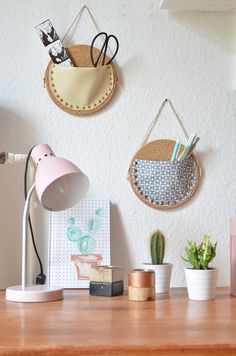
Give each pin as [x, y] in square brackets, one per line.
[162, 270]
[201, 279]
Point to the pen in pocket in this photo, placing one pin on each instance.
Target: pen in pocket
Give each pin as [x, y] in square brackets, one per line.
[188, 147]
[193, 146]
[175, 151]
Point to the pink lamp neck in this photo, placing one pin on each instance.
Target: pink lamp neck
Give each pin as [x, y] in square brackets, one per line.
[41, 152]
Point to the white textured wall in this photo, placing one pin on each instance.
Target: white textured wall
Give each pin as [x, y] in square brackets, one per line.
[188, 57]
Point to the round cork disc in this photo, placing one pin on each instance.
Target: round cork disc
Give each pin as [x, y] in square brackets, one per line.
[80, 56]
[160, 150]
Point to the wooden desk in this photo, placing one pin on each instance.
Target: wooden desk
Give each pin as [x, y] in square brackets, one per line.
[83, 325]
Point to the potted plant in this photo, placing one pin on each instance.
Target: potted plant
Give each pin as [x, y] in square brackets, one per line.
[200, 279]
[162, 270]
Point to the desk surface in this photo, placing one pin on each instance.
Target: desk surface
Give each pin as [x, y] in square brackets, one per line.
[84, 325]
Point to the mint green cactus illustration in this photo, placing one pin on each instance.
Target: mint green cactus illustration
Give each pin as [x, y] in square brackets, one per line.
[94, 223]
[86, 243]
[73, 232]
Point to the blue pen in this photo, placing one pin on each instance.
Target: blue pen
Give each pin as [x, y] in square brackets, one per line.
[175, 151]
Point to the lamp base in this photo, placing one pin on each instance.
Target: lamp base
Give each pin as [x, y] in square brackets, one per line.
[34, 293]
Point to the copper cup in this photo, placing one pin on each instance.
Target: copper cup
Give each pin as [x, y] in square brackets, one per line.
[142, 278]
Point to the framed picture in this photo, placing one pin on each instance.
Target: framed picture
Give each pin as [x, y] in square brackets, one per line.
[79, 238]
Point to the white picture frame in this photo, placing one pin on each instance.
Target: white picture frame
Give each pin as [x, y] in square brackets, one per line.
[79, 238]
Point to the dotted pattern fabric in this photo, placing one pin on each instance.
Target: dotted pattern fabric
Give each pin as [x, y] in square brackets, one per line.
[164, 183]
[65, 260]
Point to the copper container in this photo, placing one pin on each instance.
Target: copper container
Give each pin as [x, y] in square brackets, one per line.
[142, 278]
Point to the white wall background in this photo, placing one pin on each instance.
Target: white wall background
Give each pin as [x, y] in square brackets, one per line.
[188, 57]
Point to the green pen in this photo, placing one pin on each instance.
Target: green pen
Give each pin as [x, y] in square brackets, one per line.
[188, 147]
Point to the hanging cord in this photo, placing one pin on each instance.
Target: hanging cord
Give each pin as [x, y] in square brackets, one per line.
[41, 278]
[179, 119]
[77, 19]
[153, 123]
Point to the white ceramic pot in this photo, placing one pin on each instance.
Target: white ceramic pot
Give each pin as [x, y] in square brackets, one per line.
[201, 283]
[162, 276]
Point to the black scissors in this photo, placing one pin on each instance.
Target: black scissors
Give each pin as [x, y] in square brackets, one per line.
[103, 50]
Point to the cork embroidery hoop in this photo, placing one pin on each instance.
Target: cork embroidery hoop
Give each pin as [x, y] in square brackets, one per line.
[155, 180]
[83, 89]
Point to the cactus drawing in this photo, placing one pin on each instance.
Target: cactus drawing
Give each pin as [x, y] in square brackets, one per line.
[86, 243]
[157, 247]
[73, 232]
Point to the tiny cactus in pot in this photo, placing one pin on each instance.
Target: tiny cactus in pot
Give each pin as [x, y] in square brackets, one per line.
[162, 270]
[157, 246]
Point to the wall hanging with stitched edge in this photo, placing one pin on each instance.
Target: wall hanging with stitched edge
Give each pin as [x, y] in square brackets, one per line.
[88, 86]
[155, 179]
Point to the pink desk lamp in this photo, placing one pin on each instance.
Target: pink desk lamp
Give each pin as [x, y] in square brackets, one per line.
[59, 184]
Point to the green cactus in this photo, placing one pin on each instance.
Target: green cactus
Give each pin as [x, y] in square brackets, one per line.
[157, 246]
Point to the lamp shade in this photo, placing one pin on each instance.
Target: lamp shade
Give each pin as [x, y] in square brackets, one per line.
[59, 183]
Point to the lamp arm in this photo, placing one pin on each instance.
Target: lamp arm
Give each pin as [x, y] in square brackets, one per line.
[24, 238]
[8, 157]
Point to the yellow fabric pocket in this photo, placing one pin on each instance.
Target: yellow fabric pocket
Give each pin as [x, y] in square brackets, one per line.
[80, 88]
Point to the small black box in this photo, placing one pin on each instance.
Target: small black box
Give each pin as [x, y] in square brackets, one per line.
[106, 289]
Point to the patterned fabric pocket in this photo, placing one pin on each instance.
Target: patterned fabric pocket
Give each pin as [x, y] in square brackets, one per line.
[164, 183]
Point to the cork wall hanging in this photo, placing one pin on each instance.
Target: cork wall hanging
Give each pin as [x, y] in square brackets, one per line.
[90, 84]
[156, 179]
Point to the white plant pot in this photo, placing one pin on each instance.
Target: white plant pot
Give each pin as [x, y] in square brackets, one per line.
[162, 276]
[201, 284]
